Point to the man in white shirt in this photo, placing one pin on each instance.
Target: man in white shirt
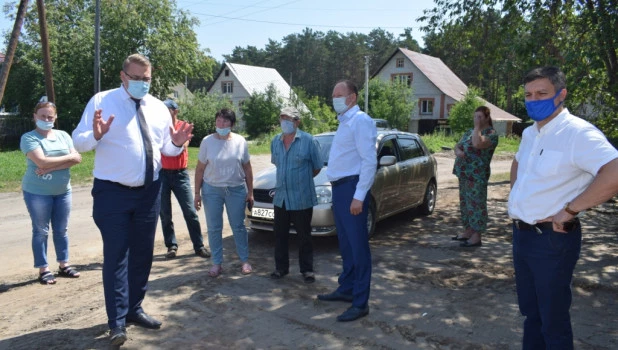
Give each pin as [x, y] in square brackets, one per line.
[126, 193]
[564, 165]
[351, 170]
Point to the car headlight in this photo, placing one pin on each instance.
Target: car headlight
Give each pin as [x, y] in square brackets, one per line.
[324, 194]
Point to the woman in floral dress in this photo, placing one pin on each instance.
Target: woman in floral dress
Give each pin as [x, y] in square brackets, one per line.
[474, 152]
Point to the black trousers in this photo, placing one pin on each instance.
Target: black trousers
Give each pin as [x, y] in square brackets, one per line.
[302, 223]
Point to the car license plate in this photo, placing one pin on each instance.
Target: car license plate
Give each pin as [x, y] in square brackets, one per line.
[263, 213]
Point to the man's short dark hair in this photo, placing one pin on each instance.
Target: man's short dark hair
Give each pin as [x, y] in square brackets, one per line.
[554, 74]
[228, 114]
[349, 85]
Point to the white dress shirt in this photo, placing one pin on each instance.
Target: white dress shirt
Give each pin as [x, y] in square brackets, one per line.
[555, 165]
[120, 155]
[353, 151]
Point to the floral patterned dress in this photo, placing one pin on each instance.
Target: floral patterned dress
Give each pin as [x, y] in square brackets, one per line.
[473, 171]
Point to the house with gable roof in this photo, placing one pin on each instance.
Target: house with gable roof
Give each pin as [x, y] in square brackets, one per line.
[437, 89]
[240, 81]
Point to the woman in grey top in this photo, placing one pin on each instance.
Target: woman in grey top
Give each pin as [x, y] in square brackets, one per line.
[224, 176]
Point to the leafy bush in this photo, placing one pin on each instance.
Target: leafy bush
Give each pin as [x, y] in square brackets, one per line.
[261, 111]
[393, 101]
[461, 116]
[201, 112]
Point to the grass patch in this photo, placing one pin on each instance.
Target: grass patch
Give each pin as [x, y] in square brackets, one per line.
[14, 165]
[439, 142]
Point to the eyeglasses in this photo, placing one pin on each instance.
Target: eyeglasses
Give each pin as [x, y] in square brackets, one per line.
[131, 77]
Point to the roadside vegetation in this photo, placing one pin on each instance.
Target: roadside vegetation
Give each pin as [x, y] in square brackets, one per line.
[14, 162]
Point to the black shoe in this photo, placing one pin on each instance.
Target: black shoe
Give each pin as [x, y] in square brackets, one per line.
[142, 319]
[457, 238]
[171, 252]
[353, 313]
[203, 252]
[466, 244]
[118, 336]
[277, 275]
[308, 277]
[335, 296]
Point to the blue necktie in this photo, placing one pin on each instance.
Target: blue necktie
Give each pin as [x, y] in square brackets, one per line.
[147, 142]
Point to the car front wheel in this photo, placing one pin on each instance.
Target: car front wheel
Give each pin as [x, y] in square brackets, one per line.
[429, 202]
[371, 218]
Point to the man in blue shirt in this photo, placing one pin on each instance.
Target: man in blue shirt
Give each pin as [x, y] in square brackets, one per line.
[297, 157]
[351, 170]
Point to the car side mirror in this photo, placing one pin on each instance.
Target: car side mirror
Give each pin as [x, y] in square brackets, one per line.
[387, 160]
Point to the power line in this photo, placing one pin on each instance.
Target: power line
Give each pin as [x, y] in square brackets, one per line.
[302, 24]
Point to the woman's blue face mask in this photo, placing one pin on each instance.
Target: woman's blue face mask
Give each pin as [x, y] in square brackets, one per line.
[540, 110]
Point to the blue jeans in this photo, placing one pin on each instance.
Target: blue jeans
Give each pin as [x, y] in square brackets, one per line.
[234, 199]
[43, 209]
[178, 182]
[544, 264]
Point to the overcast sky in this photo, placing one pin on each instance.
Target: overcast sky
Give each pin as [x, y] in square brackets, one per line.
[227, 24]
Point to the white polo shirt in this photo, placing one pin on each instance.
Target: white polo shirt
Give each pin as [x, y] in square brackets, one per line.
[555, 165]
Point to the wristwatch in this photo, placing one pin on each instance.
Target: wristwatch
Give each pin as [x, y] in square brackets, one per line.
[569, 210]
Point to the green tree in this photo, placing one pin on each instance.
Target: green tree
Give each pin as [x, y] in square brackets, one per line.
[393, 101]
[200, 111]
[319, 117]
[461, 116]
[155, 28]
[578, 36]
[261, 111]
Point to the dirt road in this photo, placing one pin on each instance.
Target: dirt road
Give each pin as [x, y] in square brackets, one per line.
[427, 293]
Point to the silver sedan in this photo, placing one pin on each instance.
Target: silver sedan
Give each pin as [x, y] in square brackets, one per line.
[405, 179]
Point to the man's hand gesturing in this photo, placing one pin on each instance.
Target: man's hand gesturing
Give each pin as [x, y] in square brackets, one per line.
[100, 127]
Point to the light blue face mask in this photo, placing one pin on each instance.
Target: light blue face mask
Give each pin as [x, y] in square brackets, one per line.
[44, 125]
[223, 131]
[138, 89]
[540, 110]
[339, 104]
[287, 126]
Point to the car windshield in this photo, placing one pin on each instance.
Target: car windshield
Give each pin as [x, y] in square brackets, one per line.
[325, 142]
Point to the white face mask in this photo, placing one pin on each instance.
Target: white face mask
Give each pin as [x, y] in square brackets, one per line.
[339, 104]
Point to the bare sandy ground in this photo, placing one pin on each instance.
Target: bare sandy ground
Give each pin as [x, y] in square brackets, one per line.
[427, 293]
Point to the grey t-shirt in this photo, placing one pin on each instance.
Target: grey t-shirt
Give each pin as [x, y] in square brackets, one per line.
[224, 160]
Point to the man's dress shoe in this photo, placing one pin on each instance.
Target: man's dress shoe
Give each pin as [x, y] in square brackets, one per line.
[142, 319]
[118, 336]
[335, 296]
[353, 313]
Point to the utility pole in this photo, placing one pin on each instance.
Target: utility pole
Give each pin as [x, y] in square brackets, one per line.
[366, 84]
[97, 47]
[10, 53]
[49, 80]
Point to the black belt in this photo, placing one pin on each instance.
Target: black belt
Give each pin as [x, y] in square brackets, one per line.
[121, 185]
[548, 225]
[344, 180]
[173, 171]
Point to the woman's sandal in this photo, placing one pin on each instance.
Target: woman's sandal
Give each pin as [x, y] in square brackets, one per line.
[68, 271]
[246, 269]
[215, 271]
[47, 278]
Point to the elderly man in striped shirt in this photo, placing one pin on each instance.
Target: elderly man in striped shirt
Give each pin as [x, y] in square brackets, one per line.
[297, 157]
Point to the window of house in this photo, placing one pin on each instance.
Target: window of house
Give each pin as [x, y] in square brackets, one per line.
[227, 87]
[403, 78]
[227, 72]
[426, 106]
[399, 63]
